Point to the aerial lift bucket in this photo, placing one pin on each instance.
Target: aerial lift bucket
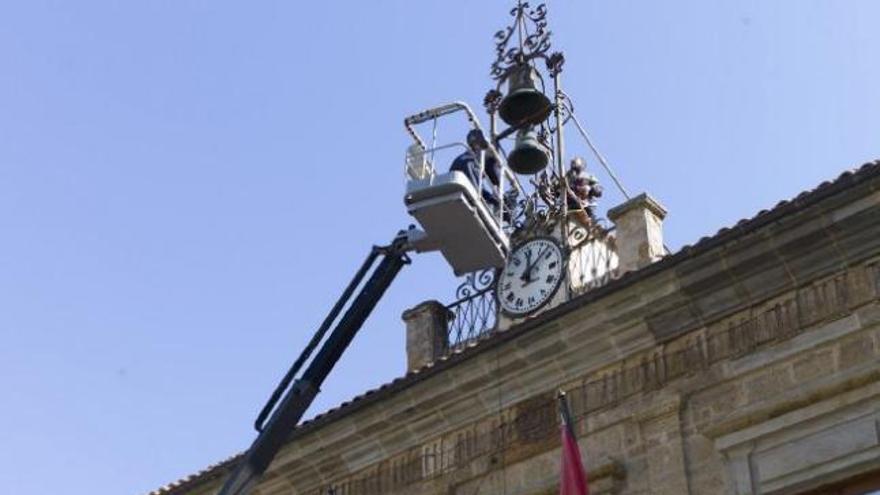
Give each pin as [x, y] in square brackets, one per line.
[450, 208]
[457, 221]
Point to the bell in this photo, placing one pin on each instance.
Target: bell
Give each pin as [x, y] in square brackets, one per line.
[529, 156]
[524, 104]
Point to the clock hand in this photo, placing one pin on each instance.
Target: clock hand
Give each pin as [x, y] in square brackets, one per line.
[527, 270]
[541, 255]
[532, 266]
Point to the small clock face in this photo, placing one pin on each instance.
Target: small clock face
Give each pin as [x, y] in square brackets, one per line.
[532, 275]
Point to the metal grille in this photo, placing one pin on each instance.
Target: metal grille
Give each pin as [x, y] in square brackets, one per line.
[593, 262]
[474, 310]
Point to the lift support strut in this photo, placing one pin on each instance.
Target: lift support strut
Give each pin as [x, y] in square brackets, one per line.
[300, 395]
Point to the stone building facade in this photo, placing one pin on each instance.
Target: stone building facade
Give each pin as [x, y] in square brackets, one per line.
[748, 363]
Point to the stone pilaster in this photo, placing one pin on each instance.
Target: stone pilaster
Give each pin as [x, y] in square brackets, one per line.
[426, 333]
[664, 451]
[639, 223]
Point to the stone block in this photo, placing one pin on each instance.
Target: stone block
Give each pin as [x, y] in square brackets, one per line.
[822, 441]
[813, 365]
[856, 350]
[427, 335]
[757, 268]
[869, 315]
[860, 286]
[605, 443]
[639, 223]
[768, 384]
[677, 317]
[664, 453]
[855, 236]
[873, 270]
[716, 401]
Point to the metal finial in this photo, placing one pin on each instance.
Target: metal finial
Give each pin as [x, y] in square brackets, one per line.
[532, 36]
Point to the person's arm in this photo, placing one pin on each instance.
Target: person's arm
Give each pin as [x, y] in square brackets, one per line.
[493, 170]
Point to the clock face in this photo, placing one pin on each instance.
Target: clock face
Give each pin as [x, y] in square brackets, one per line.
[532, 275]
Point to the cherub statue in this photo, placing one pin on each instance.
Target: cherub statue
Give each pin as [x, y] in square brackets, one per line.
[583, 191]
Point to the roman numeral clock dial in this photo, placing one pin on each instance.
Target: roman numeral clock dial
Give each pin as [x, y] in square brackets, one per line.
[533, 273]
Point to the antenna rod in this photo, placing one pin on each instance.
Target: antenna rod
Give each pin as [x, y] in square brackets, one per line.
[598, 155]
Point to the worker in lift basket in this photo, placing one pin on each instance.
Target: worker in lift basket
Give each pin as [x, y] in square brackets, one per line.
[468, 163]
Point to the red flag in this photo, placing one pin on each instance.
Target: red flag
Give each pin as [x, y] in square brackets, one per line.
[572, 478]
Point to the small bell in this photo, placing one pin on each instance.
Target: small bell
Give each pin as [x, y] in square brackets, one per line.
[529, 156]
[524, 104]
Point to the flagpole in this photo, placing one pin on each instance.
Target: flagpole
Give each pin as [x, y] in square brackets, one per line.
[564, 410]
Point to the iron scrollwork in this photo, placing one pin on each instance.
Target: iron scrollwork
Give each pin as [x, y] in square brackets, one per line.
[533, 42]
[474, 283]
[492, 100]
[555, 63]
[474, 310]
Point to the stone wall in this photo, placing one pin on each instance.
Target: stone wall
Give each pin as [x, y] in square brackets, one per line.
[751, 365]
[650, 423]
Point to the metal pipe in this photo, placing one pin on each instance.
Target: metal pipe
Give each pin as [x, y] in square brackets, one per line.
[560, 150]
[560, 164]
[450, 108]
[598, 155]
[493, 125]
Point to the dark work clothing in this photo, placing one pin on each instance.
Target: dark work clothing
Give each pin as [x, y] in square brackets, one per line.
[468, 164]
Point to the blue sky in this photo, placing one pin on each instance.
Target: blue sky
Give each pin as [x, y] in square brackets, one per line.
[186, 186]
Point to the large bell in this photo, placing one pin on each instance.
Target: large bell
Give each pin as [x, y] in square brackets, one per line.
[524, 104]
[529, 156]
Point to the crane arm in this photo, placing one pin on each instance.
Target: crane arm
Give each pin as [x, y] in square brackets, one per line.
[300, 395]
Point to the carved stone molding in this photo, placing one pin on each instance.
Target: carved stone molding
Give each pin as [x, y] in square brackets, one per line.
[833, 439]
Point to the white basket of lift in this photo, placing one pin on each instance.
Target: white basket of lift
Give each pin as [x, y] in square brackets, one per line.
[450, 208]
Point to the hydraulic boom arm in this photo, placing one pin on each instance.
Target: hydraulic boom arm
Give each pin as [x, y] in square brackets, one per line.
[299, 396]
